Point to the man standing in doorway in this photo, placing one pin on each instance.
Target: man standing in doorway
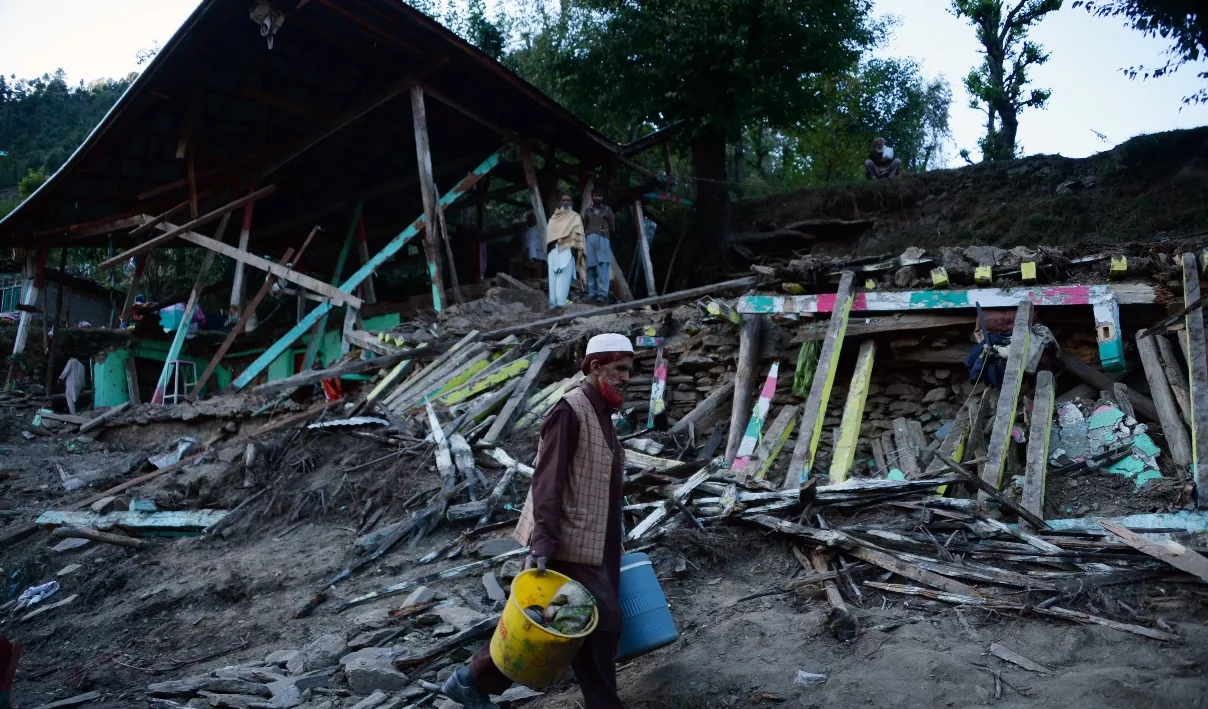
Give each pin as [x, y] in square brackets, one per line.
[600, 225]
[572, 523]
[564, 251]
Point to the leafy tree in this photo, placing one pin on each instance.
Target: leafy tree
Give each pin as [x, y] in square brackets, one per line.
[718, 64]
[999, 86]
[1183, 22]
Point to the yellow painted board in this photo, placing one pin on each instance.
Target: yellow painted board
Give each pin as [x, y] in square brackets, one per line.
[1119, 267]
[388, 380]
[853, 414]
[488, 382]
[1027, 271]
[1008, 398]
[983, 275]
[773, 441]
[939, 277]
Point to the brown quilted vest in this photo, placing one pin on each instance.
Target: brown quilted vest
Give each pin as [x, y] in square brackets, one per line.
[585, 498]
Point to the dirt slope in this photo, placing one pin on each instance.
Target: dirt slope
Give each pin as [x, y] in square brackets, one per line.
[1150, 186]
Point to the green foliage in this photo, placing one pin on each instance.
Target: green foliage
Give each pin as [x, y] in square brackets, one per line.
[1182, 22]
[31, 182]
[999, 85]
[43, 120]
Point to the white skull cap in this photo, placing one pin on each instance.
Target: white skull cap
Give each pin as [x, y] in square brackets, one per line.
[609, 342]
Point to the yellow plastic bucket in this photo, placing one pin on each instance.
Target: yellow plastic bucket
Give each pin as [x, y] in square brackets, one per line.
[527, 653]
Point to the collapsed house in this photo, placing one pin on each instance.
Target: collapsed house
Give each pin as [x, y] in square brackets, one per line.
[1013, 434]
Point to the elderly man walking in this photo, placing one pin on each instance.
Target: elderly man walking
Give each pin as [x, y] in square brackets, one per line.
[572, 523]
[600, 224]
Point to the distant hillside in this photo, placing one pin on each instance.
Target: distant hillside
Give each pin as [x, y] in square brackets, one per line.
[1150, 186]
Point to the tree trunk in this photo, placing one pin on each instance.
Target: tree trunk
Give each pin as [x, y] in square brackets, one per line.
[708, 249]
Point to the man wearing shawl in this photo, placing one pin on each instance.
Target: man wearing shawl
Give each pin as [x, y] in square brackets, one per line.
[564, 242]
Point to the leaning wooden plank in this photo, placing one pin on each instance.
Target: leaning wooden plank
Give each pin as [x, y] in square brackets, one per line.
[500, 427]
[1008, 398]
[355, 366]
[773, 442]
[905, 452]
[635, 460]
[444, 456]
[320, 328]
[175, 231]
[368, 342]
[1175, 376]
[65, 418]
[537, 411]
[1197, 365]
[722, 311]
[1037, 463]
[93, 423]
[245, 317]
[715, 400]
[545, 323]
[467, 362]
[308, 282]
[497, 493]
[953, 446]
[184, 324]
[1177, 440]
[1173, 553]
[365, 271]
[991, 491]
[1101, 382]
[681, 493]
[501, 456]
[452, 573]
[824, 378]
[853, 414]
[424, 380]
[744, 382]
[754, 430]
[657, 415]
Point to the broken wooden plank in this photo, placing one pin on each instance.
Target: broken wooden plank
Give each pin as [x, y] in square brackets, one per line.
[1008, 397]
[94, 422]
[97, 536]
[844, 456]
[744, 382]
[1101, 382]
[814, 412]
[516, 283]
[681, 493]
[451, 573]
[355, 366]
[714, 401]
[1173, 553]
[953, 446]
[536, 411]
[145, 522]
[754, 430]
[1038, 445]
[722, 311]
[175, 231]
[294, 418]
[991, 491]
[1177, 440]
[500, 428]
[75, 701]
[480, 385]
[1176, 376]
[444, 456]
[773, 442]
[1197, 365]
[657, 415]
[897, 322]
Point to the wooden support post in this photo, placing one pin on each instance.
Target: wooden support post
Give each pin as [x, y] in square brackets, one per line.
[530, 181]
[316, 334]
[132, 382]
[186, 319]
[237, 286]
[853, 414]
[639, 219]
[281, 345]
[905, 450]
[1177, 441]
[171, 232]
[657, 415]
[1008, 397]
[754, 430]
[1032, 499]
[773, 442]
[57, 323]
[824, 378]
[620, 286]
[1197, 365]
[368, 292]
[29, 299]
[427, 184]
[500, 427]
[744, 382]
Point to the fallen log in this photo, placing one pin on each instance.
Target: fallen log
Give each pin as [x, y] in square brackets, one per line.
[103, 537]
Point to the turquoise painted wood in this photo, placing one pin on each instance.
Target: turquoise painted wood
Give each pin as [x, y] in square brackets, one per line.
[312, 348]
[395, 245]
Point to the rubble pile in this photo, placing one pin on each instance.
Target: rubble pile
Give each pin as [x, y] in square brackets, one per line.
[892, 477]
